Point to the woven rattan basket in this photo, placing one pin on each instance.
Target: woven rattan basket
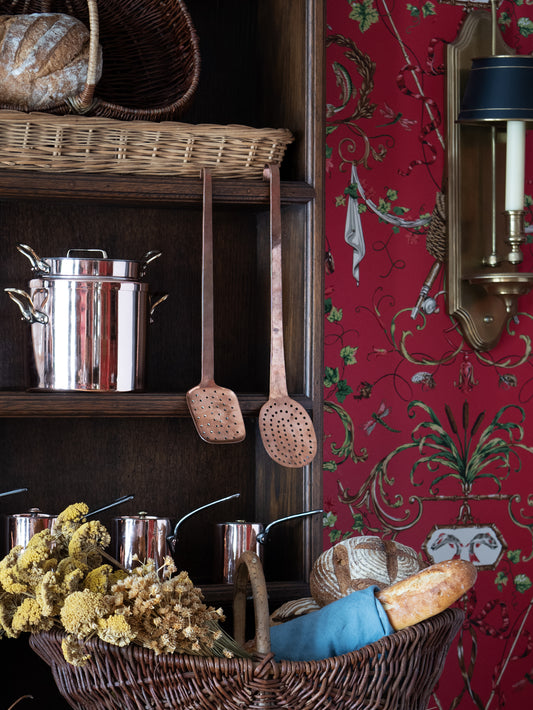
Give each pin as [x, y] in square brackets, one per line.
[151, 58]
[43, 142]
[398, 672]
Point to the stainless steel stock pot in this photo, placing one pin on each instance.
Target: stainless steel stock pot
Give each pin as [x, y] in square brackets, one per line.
[88, 317]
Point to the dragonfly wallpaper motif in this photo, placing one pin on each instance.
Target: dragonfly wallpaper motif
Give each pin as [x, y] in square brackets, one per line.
[427, 441]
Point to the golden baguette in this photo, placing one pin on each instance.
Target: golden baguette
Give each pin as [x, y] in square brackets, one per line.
[426, 593]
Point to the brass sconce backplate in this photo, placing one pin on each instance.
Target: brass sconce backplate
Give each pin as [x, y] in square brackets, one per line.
[483, 286]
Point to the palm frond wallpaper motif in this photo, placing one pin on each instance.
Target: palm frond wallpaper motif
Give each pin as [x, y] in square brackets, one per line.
[427, 441]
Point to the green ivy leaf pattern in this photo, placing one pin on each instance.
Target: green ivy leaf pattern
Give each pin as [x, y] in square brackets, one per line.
[331, 376]
[399, 211]
[525, 26]
[514, 555]
[351, 190]
[413, 10]
[501, 580]
[364, 13]
[343, 390]
[384, 206]
[428, 9]
[329, 519]
[348, 355]
[358, 523]
[328, 305]
[334, 536]
[335, 315]
[522, 583]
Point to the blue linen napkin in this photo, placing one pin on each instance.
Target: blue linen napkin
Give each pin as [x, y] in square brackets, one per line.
[342, 626]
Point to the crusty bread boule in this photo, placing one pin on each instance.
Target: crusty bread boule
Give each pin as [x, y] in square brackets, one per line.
[427, 593]
[43, 59]
[357, 563]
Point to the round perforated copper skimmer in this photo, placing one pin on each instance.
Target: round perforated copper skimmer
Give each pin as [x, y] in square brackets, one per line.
[286, 428]
[215, 410]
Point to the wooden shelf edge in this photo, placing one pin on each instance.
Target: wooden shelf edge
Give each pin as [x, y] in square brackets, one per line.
[278, 592]
[163, 190]
[113, 404]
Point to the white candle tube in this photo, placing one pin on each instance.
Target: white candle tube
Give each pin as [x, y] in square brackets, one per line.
[515, 165]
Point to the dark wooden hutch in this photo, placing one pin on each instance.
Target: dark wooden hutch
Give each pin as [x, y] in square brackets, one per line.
[262, 65]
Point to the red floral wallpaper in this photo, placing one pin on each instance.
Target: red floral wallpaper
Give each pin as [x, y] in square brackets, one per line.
[427, 441]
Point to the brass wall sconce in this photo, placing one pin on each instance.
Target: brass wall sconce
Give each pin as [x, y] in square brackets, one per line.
[490, 98]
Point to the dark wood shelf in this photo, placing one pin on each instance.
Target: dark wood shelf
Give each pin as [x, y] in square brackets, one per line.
[113, 404]
[278, 593]
[163, 190]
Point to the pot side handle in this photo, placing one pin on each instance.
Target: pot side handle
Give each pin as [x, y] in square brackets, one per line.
[26, 306]
[37, 264]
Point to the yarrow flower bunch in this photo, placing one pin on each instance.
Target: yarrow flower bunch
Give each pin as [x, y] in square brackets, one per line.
[60, 580]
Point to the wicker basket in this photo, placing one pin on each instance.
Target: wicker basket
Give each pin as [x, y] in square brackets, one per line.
[398, 672]
[151, 56]
[43, 142]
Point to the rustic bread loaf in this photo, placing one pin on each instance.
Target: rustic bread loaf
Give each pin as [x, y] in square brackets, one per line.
[43, 59]
[357, 563]
[426, 593]
[293, 609]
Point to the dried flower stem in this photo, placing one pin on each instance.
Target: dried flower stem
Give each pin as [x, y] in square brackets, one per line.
[23, 697]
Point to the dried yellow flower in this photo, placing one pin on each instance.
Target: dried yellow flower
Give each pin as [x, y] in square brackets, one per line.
[115, 629]
[70, 519]
[81, 611]
[98, 580]
[73, 651]
[87, 541]
[29, 617]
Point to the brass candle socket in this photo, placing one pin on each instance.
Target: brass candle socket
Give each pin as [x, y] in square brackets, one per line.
[515, 236]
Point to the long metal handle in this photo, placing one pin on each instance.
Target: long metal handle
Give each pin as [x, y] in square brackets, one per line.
[172, 538]
[262, 537]
[278, 379]
[10, 493]
[110, 505]
[208, 347]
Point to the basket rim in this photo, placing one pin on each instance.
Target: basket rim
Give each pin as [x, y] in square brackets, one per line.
[203, 129]
[452, 617]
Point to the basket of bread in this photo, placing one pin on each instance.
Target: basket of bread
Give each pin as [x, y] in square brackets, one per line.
[97, 86]
[374, 636]
[121, 59]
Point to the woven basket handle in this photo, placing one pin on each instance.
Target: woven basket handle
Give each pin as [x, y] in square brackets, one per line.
[249, 566]
[83, 102]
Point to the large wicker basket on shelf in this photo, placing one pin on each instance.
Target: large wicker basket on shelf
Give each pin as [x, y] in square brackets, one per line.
[397, 672]
[40, 141]
[151, 57]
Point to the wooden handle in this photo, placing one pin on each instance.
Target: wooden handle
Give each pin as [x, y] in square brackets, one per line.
[83, 102]
[249, 567]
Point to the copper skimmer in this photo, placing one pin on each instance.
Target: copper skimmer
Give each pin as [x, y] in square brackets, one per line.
[286, 428]
[215, 410]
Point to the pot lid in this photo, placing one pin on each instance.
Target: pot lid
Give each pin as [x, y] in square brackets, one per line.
[88, 263]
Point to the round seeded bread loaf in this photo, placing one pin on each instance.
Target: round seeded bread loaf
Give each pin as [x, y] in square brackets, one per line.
[360, 562]
[43, 59]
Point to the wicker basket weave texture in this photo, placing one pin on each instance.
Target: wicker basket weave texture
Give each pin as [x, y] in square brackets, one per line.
[398, 672]
[39, 141]
[151, 56]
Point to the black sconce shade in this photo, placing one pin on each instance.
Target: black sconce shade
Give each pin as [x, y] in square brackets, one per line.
[499, 88]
